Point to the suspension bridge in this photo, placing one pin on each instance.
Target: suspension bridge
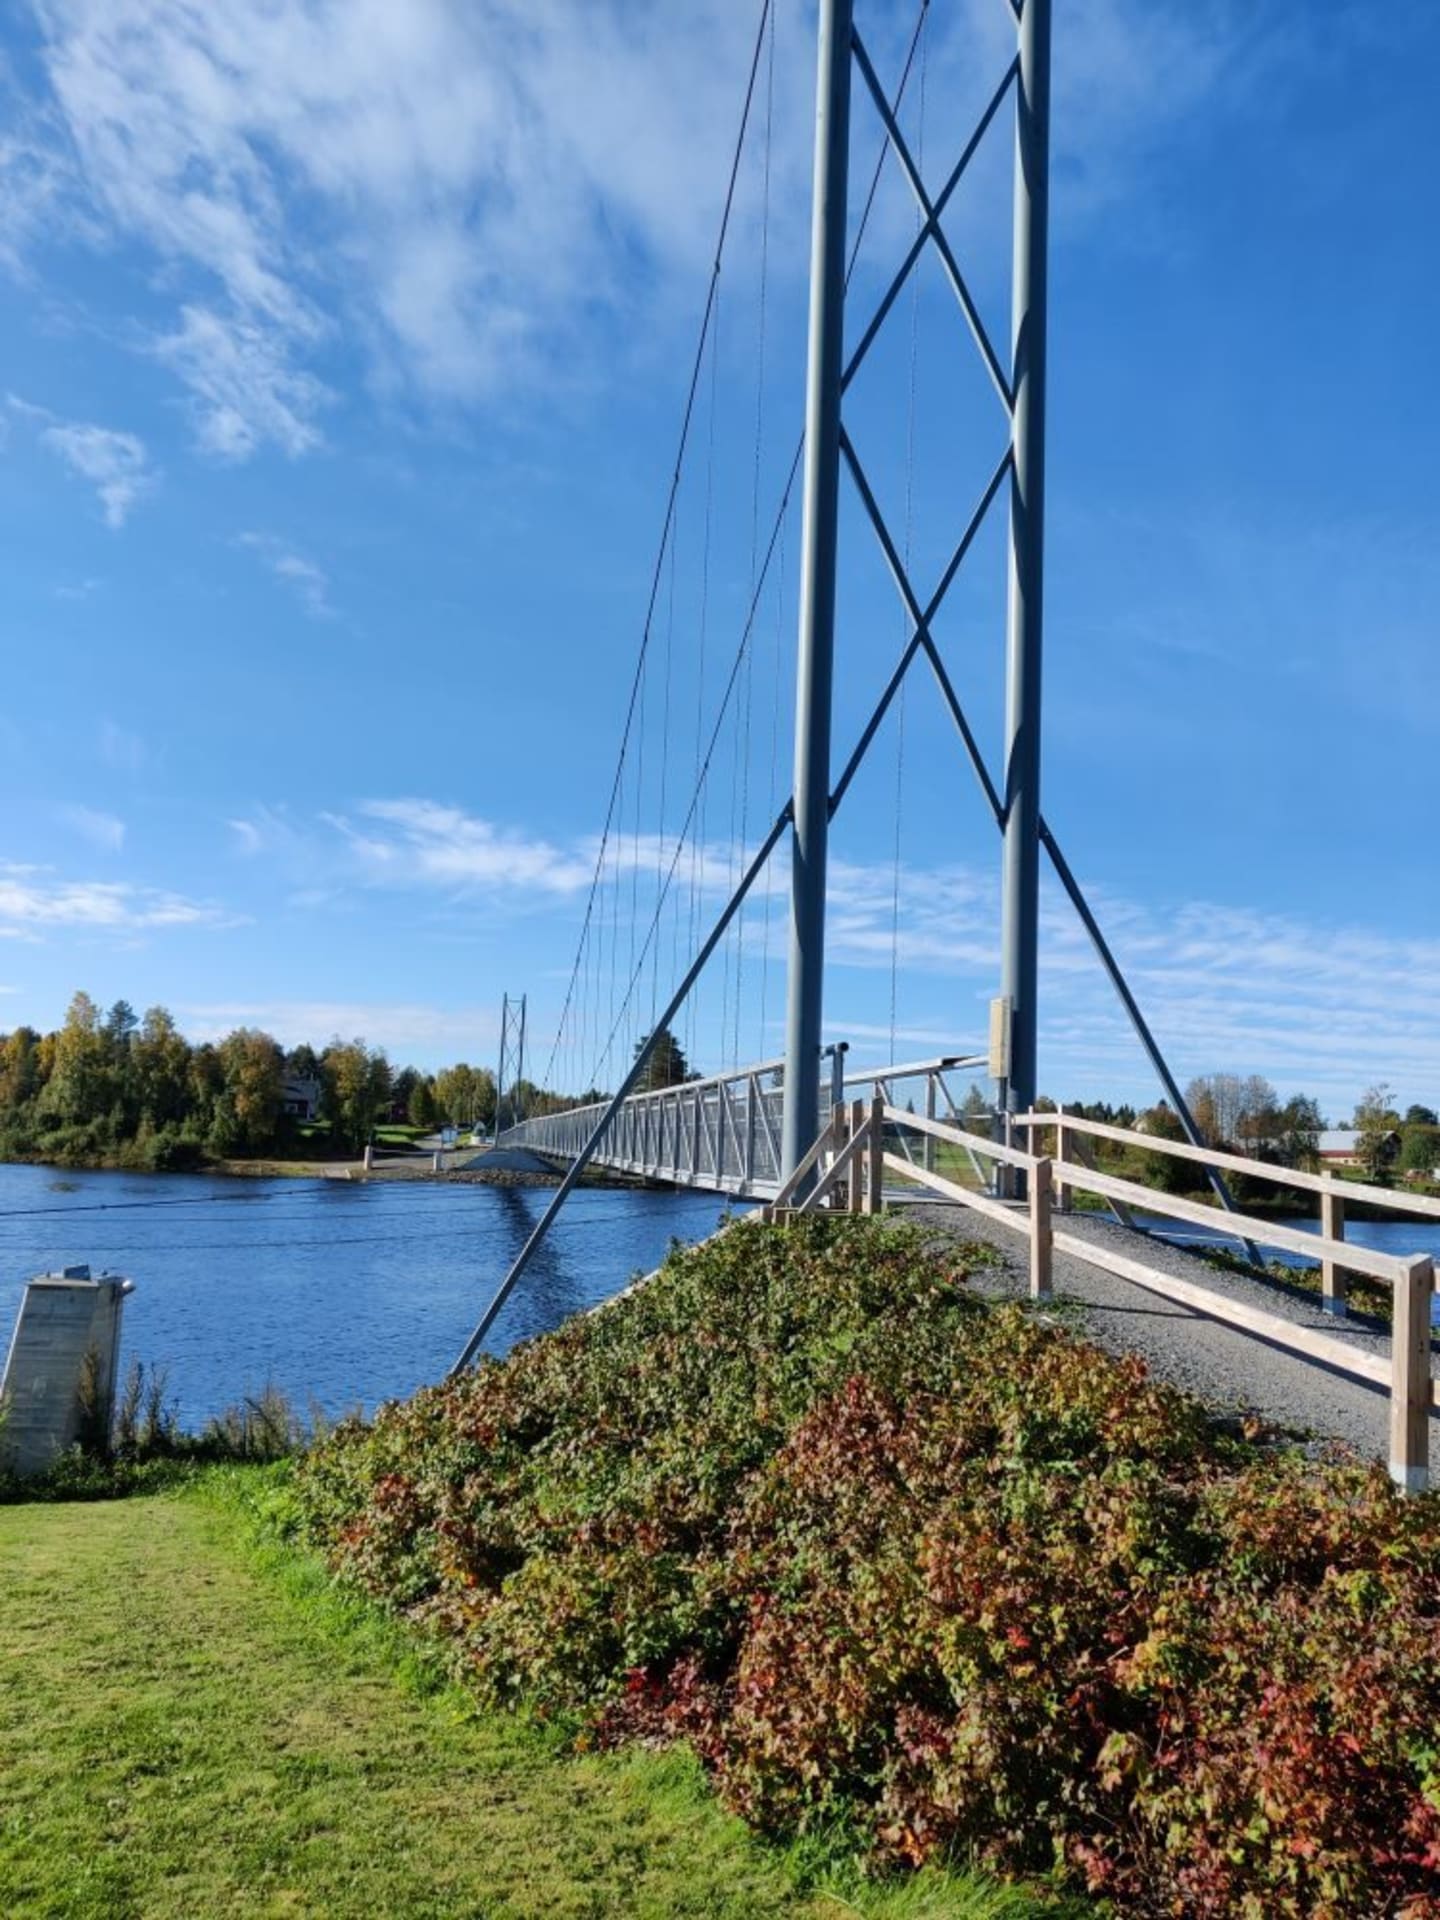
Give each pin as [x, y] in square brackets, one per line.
[679, 948]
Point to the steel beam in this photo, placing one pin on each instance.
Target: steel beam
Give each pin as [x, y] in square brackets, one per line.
[1020, 858]
[815, 665]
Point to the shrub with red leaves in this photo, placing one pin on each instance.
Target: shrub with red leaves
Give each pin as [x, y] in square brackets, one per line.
[940, 1571]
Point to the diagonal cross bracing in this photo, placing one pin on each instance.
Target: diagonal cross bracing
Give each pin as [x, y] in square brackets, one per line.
[920, 619]
[932, 229]
[918, 244]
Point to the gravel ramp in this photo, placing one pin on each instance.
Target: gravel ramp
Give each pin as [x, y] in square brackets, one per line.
[1237, 1374]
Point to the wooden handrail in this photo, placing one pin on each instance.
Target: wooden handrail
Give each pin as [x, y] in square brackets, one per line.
[1380, 1266]
[1324, 1347]
[977, 1143]
[1417, 1203]
[951, 1190]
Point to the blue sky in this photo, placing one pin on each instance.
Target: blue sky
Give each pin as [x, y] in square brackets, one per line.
[343, 357]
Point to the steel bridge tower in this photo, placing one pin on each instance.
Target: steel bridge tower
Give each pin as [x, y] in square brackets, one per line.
[511, 1070]
[1022, 390]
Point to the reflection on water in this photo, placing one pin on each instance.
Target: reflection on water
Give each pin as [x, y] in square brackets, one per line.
[339, 1292]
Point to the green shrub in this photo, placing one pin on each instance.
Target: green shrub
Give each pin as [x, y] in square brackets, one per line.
[929, 1572]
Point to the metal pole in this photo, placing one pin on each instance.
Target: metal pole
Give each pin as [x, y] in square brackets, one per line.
[814, 670]
[500, 1068]
[520, 1063]
[1020, 910]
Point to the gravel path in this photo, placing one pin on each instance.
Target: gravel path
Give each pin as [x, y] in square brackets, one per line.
[1236, 1373]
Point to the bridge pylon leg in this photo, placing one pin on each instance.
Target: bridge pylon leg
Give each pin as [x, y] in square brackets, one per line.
[819, 535]
[1020, 820]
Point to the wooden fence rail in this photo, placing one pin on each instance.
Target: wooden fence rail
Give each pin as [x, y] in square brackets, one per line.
[1069, 1129]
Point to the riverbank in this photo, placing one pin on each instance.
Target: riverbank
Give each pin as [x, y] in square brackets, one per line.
[241, 1739]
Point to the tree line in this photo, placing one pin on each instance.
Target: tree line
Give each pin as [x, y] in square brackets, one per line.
[113, 1087]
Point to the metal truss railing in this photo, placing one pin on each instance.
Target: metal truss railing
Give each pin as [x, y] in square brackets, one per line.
[722, 1134]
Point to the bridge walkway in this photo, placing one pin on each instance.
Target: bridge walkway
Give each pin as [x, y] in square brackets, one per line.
[722, 1134]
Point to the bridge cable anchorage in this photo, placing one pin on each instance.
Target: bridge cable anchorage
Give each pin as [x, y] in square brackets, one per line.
[674, 489]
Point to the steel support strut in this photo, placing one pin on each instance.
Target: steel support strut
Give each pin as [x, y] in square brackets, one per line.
[1020, 859]
[815, 664]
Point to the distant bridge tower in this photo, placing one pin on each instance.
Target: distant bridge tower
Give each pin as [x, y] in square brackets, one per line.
[510, 1074]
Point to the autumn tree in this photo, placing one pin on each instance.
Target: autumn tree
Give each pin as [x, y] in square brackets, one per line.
[465, 1095]
[160, 1057]
[1216, 1102]
[357, 1089]
[248, 1112]
[79, 1087]
[20, 1075]
[1377, 1122]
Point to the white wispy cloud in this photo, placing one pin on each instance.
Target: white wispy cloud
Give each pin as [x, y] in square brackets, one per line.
[33, 903]
[410, 842]
[467, 187]
[103, 830]
[304, 577]
[114, 462]
[1313, 1004]
[248, 838]
[245, 389]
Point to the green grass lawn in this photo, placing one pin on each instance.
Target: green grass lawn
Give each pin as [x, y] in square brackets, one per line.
[193, 1725]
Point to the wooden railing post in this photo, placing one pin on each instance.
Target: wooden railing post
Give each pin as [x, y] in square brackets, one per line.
[875, 1159]
[1063, 1144]
[839, 1131]
[1410, 1376]
[1004, 1174]
[1041, 1233]
[1333, 1282]
[857, 1167]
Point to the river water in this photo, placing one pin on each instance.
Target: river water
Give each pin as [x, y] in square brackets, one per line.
[346, 1293]
[341, 1293]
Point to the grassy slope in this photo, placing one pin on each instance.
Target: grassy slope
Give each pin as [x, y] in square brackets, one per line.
[188, 1730]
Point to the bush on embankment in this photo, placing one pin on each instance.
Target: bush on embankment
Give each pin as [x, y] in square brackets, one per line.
[929, 1572]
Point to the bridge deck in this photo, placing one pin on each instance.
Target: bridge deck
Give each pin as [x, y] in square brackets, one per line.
[722, 1135]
